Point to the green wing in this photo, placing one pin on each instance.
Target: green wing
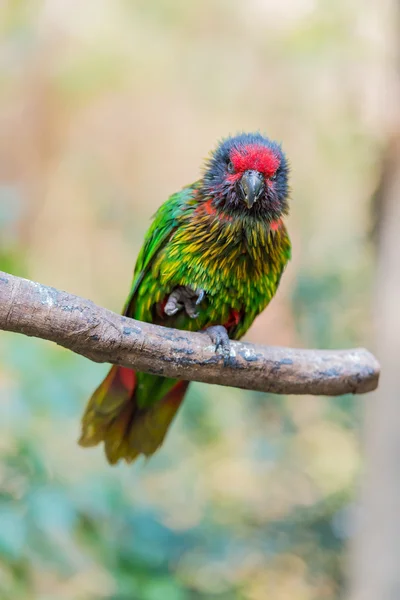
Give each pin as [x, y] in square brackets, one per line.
[151, 388]
[165, 222]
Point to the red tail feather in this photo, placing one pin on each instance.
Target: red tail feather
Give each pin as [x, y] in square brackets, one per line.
[112, 416]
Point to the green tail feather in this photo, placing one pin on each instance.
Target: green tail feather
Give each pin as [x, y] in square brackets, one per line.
[113, 416]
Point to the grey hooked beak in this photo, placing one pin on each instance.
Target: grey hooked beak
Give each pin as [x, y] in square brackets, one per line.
[251, 185]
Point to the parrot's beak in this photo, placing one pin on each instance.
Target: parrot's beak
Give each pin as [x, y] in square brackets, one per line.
[251, 185]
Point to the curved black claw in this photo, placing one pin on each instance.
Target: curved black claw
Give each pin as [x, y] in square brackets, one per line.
[219, 337]
[185, 297]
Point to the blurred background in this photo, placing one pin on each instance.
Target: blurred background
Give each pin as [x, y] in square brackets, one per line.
[106, 108]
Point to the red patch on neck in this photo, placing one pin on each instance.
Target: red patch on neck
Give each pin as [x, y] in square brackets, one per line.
[209, 207]
[255, 157]
[275, 225]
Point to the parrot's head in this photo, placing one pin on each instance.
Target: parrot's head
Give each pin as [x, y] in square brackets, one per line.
[248, 174]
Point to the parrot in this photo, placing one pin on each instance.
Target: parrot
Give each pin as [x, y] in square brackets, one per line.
[211, 261]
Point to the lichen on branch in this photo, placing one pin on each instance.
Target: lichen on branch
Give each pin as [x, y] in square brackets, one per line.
[80, 325]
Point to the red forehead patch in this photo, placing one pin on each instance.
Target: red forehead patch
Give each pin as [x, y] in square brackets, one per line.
[255, 157]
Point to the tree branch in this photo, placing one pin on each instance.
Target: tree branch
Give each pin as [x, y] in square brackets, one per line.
[103, 336]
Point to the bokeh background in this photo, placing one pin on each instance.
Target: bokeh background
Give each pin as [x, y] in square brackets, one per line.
[106, 108]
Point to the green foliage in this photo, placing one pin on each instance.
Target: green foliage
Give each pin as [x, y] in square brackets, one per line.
[111, 527]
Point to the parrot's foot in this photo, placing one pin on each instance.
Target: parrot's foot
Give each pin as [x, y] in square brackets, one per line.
[219, 337]
[184, 297]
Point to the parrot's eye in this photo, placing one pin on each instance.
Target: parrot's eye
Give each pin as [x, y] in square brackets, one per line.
[231, 168]
[273, 177]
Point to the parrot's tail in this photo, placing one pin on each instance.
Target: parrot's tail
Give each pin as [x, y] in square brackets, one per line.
[112, 416]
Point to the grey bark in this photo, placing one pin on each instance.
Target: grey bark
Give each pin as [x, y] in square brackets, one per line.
[77, 324]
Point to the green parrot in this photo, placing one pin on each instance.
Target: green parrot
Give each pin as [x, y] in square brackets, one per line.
[211, 261]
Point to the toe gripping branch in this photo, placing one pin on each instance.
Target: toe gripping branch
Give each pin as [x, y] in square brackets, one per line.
[219, 336]
[185, 297]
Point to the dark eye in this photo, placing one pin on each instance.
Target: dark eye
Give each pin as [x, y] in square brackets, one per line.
[273, 177]
[231, 168]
